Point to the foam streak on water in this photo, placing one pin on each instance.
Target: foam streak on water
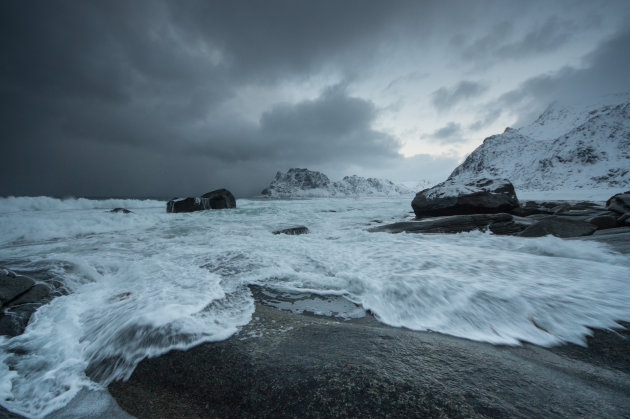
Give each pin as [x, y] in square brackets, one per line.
[141, 284]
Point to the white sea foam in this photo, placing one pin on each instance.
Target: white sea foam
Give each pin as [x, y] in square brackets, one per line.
[141, 284]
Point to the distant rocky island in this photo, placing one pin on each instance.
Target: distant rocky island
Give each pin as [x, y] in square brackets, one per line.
[304, 183]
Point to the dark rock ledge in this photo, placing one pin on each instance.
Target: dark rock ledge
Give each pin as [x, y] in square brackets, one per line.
[310, 366]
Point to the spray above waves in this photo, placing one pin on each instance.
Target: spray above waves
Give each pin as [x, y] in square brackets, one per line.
[46, 203]
[142, 284]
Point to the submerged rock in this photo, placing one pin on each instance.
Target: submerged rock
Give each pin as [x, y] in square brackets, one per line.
[451, 224]
[217, 199]
[560, 227]
[122, 210]
[482, 196]
[293, 231]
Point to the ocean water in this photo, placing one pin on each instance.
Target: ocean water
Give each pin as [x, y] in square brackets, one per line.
[138, 285]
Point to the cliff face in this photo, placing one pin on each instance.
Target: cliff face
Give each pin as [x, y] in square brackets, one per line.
[574, 147]
[308, 183]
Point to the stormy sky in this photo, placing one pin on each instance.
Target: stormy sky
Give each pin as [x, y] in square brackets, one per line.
[165, 98]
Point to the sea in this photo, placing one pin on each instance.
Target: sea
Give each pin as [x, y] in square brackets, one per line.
[138, 285]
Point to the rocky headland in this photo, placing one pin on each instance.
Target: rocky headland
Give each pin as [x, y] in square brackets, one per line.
[304, 183]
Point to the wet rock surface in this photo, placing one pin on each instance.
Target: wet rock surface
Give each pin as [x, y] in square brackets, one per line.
[20, 296]
[287, 364]
[560, 227]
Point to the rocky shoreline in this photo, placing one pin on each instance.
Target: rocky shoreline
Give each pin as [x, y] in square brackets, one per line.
[288, 364]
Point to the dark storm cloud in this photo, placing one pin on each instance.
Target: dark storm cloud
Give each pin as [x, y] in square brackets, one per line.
[445, 98]
[144, 97]
[605, 72]
[87, 85]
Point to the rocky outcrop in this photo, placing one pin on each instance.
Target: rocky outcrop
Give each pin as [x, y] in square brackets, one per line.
[293, 231]
[20, 297]
[482, 196]
[304, 183]
[217, 199]
[570, 219]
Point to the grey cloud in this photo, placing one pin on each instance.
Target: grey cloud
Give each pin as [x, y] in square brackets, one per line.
[549, 36]
[447, 131]
[446, 98]
[604, 72]
[481, 47]
[98, 97]
[406, 78]
[499, 43]
[451, 133]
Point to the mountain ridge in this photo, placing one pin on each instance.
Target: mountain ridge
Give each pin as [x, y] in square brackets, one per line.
[305, 183]
[566, 147]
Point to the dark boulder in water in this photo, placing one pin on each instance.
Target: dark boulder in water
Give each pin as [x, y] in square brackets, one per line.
[560, 227]
[218, 199]
[293, 231]
[482, 196]
[121, 210]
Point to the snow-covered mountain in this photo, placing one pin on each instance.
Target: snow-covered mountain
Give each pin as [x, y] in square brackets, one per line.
[308, 183]
[566, 148]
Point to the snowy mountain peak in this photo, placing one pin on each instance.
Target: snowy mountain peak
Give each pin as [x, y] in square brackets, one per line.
[309, 183]
[567, 147]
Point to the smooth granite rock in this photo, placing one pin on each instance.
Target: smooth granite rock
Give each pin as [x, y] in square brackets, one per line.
[483, 196]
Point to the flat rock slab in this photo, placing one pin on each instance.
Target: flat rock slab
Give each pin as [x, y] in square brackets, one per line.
[560, 227]
[289, 365]
[450, 224]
